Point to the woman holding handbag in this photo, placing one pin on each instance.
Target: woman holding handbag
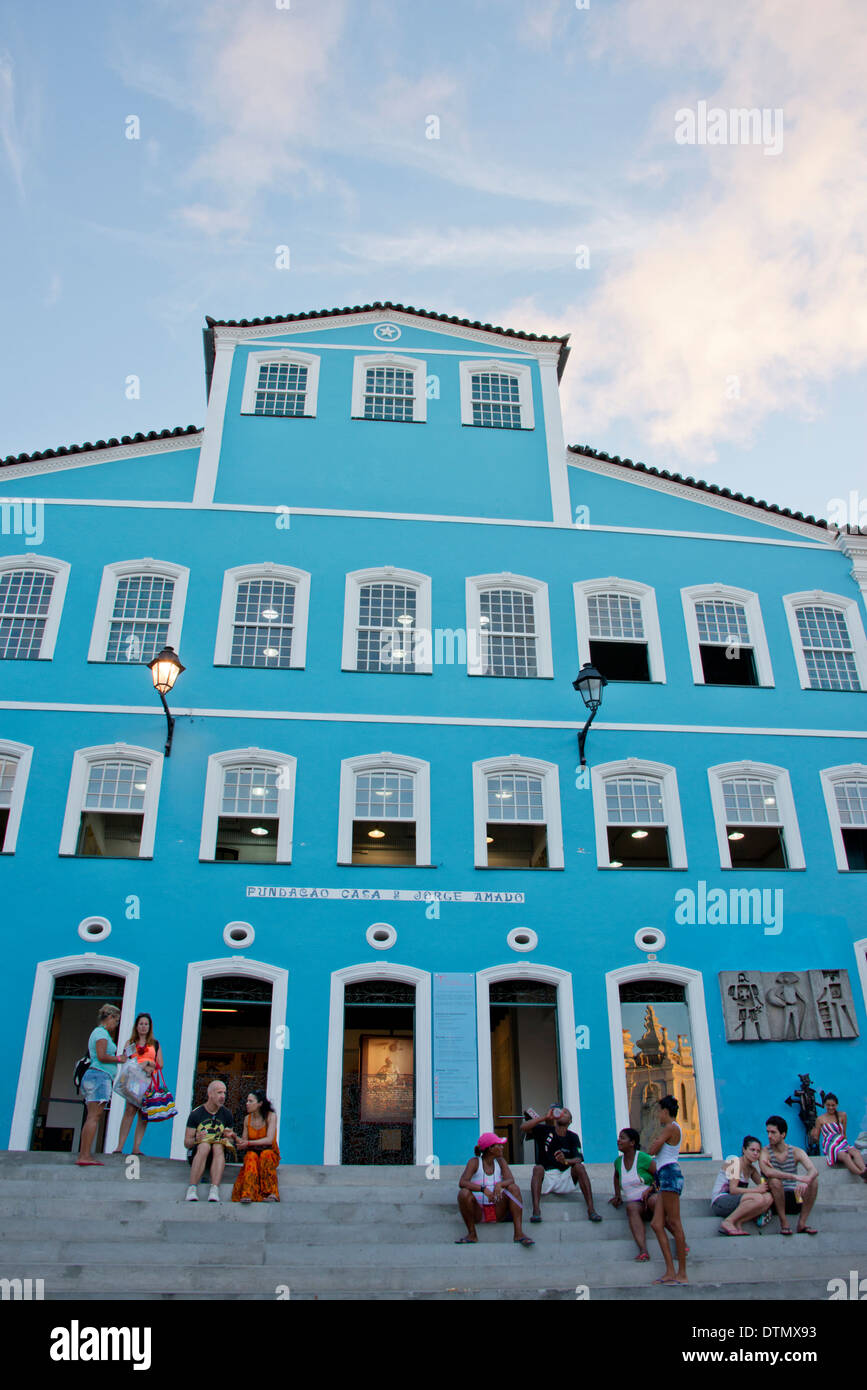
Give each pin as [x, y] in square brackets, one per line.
[143, 1048]
[257, 1180]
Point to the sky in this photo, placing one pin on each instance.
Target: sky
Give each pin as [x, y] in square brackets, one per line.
[526, 163]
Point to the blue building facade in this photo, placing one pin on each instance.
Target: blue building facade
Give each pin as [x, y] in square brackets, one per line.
[371, 876]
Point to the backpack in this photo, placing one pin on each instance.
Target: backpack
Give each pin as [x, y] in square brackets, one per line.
[81, 1067]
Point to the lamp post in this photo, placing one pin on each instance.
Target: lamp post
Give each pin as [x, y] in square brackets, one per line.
[165, 669]
[589, 685]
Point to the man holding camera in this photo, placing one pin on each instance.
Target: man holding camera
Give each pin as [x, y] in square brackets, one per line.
[559, 1161]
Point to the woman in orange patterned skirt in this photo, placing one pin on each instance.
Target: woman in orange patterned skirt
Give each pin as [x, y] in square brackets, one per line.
[257, 1180]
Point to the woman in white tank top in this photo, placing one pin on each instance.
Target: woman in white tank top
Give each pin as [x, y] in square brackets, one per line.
[488, 1192]
[666, 1148]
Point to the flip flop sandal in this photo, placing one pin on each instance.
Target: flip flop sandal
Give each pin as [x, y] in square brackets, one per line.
[670, 1283]
[594, 1216]
[807, 1231]
[642, 1258]
[523, 1240]
[467, 1240]
[534, 1219]
[785, 1230]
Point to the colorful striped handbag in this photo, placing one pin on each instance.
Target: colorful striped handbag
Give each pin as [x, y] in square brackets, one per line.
[158, 1104]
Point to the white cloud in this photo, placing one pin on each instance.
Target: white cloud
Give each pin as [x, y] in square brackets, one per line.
[10, 137]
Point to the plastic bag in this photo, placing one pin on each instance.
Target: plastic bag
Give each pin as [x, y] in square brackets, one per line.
[132, 1082]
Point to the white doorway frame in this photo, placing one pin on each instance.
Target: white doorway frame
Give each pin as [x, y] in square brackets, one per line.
[356, 974]
[540, 974]
[197, 972]
[860, 948]
[36, 1037]
[705, 1086]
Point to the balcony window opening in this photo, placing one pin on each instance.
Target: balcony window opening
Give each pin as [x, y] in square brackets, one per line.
[516, 831]
[852, 807]
[8, 771]
[507, 621]
[113, 814]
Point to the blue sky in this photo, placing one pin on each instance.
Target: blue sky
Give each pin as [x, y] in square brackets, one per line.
[719, 328]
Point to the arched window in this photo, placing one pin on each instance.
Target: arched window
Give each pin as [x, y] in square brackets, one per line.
[263, 617]
[727, 643]
[638, 820]
[387, 619]
[14, 771]
[828, 641]
[845, 790]
[754, 813]
[497, 395]
[384, 816]
[32, 590]
[517, 814]
[249, 805]
[111, 806]
[385, 387]
[280, 383]
[139, 610]
[618, 629]
[508, 627]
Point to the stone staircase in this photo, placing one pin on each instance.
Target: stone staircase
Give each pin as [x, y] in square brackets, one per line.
[384, 1233]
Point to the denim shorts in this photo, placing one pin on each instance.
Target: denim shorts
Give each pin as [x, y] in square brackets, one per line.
[96, 1086]
[670, 1178]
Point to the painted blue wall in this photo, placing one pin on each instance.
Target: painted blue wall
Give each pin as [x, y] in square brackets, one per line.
[586, 918]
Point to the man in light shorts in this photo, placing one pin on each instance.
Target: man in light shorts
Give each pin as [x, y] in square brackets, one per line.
[559, 1161]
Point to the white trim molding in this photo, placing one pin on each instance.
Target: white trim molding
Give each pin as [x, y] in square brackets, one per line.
[36, 1037]
[700, 1042]
[212, 435]
[283, 763]
[122, 569]
[523, 373]
[541, 974]
[860, 948]
[283, 357]
[300, 613]
[476, 653]
[830, 776]
[22, 754]
[384, 762]
[788, 820]
[849, 608]
[60, 570]
[514, 762]
[422, 645]
[758, 642]
[357, 974]
[197, 972]
[632, 588]
[82, 760]
[416, 366]
[666, 775]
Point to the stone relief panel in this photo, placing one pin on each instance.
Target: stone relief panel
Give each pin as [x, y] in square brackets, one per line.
[787, 1005]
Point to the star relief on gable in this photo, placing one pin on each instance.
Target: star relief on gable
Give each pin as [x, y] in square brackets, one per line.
[387, 332]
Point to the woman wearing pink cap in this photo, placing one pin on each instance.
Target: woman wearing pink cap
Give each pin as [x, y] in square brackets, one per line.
[488, 1192]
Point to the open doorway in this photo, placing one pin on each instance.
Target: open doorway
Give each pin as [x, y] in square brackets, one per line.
[658, 1057]
[378, 1091]
[234, 1038]
[525, 1058]
[59, 1112]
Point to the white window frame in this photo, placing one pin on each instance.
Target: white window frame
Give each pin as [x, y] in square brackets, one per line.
[601, 773]
[385, 762]
[387, 574]
[301, 612]
[60, 570]
[698, 593]
[542, 613]
[416, 365]
[235, 757]
[120, 569]
[785, 805]
[584, 588]
[515, 762]
[81, 763]
[830, 776]
[283, 356]
[847, 606]
[23, 754]
[522, 370]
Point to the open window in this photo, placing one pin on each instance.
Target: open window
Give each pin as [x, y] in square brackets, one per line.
[618, 629]
[845, 790]
[517, 814]
[384, 814]
[638, 819]
[112, 803]
[755, 819]
[249, 801]
[14, 771]
[727, 643]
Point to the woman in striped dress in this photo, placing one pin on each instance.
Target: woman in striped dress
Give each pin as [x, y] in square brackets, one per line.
[830, 1131]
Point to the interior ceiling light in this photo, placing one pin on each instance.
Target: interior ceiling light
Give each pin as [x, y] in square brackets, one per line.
[270, 613]
[503, 796]
[490, 839]
[140, 786]
[484, 622]
[615, 864]
[405, 619]
[207, 1010]
[257, 791]
[770, 801]
[258, 830]
[640, 834]
[270, 651]
[736, 834]
[376, 834]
